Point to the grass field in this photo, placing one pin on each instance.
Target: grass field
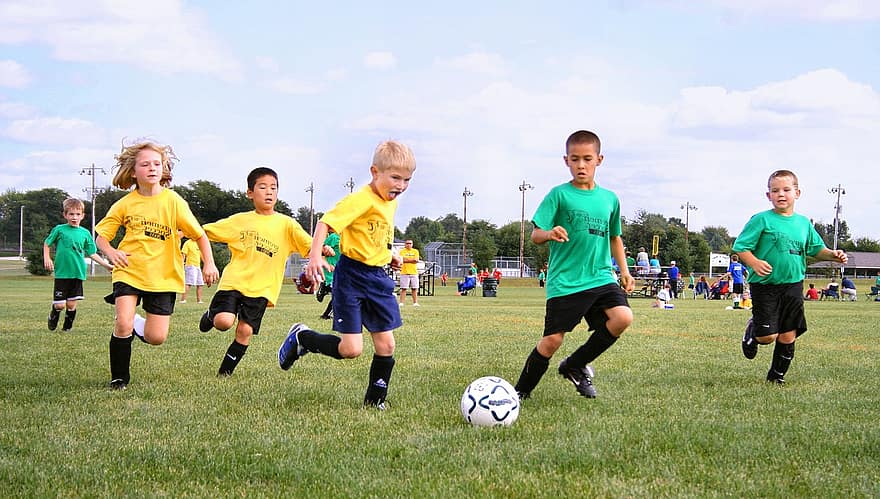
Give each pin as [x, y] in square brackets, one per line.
[680, 412]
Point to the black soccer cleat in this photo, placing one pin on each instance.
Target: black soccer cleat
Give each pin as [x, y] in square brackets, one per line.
[118, 384]
[379, 405]
[581, 378]
[206, 323]
[749, 343]
[54, 315]
[323, 290]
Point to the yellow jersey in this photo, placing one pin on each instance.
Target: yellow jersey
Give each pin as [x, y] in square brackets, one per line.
[365, 224]
[151, 224]
[260, 245]
[409, 268]
[191, 253]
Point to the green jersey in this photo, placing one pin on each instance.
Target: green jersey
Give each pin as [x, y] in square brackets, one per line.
[72, 246]
[591, 218]
[783, 242]
[332, 240]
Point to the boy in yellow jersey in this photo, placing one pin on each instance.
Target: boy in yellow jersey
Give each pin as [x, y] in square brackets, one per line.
[147, 269]
[363, 293]
[260, 242]
[409, 272]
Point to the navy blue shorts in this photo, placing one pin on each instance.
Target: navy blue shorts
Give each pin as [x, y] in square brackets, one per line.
[363, 297]
[247, 309]
[563, 313]
[778, 308]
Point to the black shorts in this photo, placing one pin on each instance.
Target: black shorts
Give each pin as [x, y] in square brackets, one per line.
[563, 313]
[738, 288]
[778, 308]
[157, 303]
[248, 310]
[67, 290]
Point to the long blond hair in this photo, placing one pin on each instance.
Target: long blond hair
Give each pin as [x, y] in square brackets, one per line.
[125, 162]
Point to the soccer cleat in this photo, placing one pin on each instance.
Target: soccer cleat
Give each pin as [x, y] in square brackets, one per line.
[118, 384]
[780, 381]
[523, 395]
[749, 344]
[54, 315]
[379, 405]
[206, 323]
[582, 378]
[323, 290]
[416, 304]
[139, 336]
[291, 350]
[327, 317]
[68, 324]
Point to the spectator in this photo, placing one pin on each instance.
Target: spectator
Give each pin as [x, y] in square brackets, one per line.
[848, 288]
[812, 293]
[702, 288]
[469, 283]
[673, 280]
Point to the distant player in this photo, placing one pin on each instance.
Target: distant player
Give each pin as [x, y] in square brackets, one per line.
[72, 243]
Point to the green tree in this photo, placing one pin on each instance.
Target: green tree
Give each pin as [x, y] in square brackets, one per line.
[865, 244]
[452, 228]
[718, 239]
[423, 230]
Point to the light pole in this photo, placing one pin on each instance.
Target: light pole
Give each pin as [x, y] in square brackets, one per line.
[687, 207]
[465, 195]
[837, 190]
[90, 171]
[21, 236]
[311, 190]
[523, 187]
[350, 184]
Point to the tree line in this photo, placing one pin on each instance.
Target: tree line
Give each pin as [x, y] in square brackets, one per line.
[485, 240]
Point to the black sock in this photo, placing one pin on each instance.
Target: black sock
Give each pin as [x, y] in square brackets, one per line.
[783, 353]
[598, 342]
[233, 356]
[120, 358]
[380, 375]
[536, 366]
[69, 316]
[327, 344]
[54, 313]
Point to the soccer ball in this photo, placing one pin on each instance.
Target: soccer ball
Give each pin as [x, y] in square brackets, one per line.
[490, 401]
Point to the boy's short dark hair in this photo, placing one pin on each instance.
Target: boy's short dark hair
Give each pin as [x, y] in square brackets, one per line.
[783, 173]
[258, 172]
[584, 137]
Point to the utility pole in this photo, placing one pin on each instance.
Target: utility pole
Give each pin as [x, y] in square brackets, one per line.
[91, 171]
[465, 195]
[311, 190]
[837, 190]
[687, 207]
[350, 184]
[21, 236]
[523, 187]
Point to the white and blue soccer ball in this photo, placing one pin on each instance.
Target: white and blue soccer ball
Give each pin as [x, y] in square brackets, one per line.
[490, 401]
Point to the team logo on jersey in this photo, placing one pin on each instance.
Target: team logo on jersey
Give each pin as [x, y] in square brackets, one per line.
[582, 221]
[150, 228]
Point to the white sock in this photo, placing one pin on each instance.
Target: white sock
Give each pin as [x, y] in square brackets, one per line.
[139, 323]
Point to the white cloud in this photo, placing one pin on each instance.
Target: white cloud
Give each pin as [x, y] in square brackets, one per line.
[819, 10]
[15, 110]
[380, 60]
[475, 62]
[13, 74]
[55, 131]
[293, 86]
[166, 37]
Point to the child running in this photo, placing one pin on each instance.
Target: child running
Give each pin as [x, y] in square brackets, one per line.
[260, 242]
[148, 269]
[72, 242]
[363, 293]
[775, 245]
[581, 221]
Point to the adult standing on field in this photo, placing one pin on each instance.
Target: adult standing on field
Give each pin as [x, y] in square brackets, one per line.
[409, 273]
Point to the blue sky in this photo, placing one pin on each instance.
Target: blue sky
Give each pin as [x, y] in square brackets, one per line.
[695, 104]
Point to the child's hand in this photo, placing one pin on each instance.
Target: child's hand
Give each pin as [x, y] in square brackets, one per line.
[49, 265]
[839, 255]
[628, 283]
[396, 262]
[315, 268]
[118, 258]
[210, 274]
[558, 234]
[326, 250]
[762, 268]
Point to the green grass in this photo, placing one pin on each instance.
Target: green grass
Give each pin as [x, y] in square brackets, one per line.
[680, 411]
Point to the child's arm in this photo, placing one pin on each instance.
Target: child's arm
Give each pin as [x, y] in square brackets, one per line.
[541, 236]
[619, 254]
[48, 264]
[315, 268]
[832, 255]
[209, 269]
[116, 257]
[761, 267]
[104, 263]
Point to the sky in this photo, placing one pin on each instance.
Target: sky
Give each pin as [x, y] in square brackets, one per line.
[696, 103]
